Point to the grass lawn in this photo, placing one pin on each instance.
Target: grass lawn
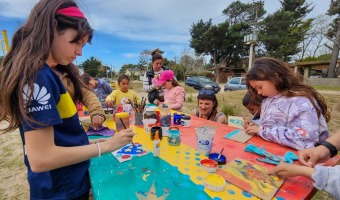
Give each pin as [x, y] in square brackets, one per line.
[327, 87]
[13, 171]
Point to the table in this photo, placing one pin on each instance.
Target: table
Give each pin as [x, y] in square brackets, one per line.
[176, 173]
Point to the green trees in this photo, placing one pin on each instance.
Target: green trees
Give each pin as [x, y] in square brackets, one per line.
[285, 29]
[92, 66]
[280, 33]
[223, 42]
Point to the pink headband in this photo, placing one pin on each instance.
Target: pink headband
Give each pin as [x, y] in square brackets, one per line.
[72, 12]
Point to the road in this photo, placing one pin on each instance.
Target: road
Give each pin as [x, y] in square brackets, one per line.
[320, 91]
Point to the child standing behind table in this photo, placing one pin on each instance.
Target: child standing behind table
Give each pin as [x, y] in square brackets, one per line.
[174, 94]
[292, 114]
[122, 95]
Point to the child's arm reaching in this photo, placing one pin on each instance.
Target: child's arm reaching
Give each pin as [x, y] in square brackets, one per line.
[289, 170]
[110, 99]
[325, 178]
[311, 156]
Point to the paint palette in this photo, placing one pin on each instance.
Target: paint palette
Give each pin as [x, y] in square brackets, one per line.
[129, 152]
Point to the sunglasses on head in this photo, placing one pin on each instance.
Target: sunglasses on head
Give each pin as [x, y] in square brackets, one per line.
[207, 92]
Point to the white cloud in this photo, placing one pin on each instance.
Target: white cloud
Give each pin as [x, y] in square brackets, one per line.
[10, 8]
[130, 55]
[147, 20]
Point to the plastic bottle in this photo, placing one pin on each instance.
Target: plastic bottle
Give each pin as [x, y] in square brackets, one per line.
[156, 145]
[165, 119]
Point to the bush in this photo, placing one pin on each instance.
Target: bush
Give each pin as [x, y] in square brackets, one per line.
[189, 99]
[228, 110]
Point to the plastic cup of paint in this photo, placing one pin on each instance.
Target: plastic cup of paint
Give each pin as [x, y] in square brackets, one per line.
[204, 138]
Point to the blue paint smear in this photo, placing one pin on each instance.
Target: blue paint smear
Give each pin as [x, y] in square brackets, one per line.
[280, 198]
[113, 180]
[231, 192]
[229, 135]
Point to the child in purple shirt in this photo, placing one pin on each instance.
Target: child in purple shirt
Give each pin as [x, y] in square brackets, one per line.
[293, 113]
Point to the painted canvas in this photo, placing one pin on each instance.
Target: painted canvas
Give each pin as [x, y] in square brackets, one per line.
[251, 178]
[129, 152]
[235, 121]
[238, 135]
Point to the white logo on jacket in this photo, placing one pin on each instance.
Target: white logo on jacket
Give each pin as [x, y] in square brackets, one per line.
[39, 94]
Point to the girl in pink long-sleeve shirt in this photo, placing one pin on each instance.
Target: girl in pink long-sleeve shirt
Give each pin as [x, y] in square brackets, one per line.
[174, 94]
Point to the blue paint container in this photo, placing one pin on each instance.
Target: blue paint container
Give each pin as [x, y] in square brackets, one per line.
[177, 119]
[220, 161]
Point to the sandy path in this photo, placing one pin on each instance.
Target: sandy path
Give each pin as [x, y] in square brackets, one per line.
[13, 173]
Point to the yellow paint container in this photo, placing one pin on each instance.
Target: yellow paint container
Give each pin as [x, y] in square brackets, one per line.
[214, 182]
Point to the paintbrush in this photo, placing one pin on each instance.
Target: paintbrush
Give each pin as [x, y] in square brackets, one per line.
[219, 155]
[254, 115]
[133, 106]
[143, 104]
[125, 128]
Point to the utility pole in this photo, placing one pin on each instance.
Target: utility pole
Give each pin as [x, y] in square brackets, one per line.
[252, 38]
[107, 73]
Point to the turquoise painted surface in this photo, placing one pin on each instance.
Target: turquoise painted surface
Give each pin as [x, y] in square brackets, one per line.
[113, 180]
[229, 135]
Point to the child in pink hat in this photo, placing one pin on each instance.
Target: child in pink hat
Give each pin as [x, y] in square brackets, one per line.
[174, 94]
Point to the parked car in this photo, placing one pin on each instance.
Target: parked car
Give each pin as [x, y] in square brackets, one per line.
[236, 83]
[315, 76]
[202, 82]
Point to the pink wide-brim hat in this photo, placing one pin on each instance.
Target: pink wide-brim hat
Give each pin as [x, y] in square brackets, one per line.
[162, 77]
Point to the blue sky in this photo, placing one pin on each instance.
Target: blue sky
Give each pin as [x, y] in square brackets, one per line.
[125, 28]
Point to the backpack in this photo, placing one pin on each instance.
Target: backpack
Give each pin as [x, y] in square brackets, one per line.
[154, 94]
